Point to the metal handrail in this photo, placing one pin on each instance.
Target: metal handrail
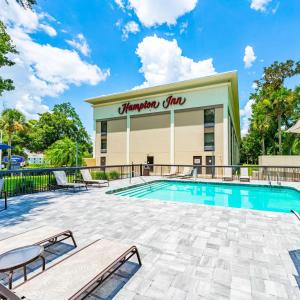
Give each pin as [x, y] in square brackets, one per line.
[139, 176]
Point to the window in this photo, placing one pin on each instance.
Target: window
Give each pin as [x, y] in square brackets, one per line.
[209, 141]
[103, 145]
[209, 118]
[103, 127]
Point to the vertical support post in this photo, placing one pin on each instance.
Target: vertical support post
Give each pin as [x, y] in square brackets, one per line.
[141, 170]
[128, 140]
[225, 134]
[172, 137]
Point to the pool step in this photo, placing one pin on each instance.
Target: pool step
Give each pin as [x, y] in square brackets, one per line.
[138, 189]
[142, 193]
[141, 189]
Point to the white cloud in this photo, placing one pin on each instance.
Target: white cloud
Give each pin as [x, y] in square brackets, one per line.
[130, 27]
[183, 27]
[80, 44]
[41, 69]
[157, 12]
[163, 62]
[260, 5]
[245, 114]
[249, 57]
[48, 29]
[120, 3]
[254, 85]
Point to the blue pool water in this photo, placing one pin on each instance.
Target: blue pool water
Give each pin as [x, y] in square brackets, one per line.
[279, 199]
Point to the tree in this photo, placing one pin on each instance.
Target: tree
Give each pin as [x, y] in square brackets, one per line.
[12, 121]
[61, 122]
[275, 108]
[261, 121]
[62, 153]
[6, 48]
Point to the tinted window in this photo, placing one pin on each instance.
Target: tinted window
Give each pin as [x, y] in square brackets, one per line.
[209, 116]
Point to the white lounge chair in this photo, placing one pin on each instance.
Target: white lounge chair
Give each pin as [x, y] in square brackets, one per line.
[244, 175]
[173, 171]
[62, 181]
[187, 172]
[227, 174]
[75, 275]
[87, 178]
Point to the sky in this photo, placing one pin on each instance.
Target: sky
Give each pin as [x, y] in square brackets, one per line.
[73, 50]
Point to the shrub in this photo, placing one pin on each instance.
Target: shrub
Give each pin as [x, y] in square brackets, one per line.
[113, 175]
[100, 175]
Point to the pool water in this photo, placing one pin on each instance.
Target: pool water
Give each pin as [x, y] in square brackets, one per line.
[278, 199]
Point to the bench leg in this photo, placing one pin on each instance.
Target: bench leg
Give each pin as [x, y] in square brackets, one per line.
[10, 276]
[25, 273]
[72, 237]
[44, 262]
[138, 256]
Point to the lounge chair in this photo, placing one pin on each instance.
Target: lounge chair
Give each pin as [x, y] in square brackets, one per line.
[227, 174]
[45, 235]
[76, 275]
[87, 178]
[62, 181]
[244, 175]
[173, 172]
[187, 172]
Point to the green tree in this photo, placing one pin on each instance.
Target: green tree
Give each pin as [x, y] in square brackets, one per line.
[61, 122]
[275, 108]
[12, 121]
[6, 48]
[62, 153]
[282, 104]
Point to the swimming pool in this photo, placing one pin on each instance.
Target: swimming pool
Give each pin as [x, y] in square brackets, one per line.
[278, 199]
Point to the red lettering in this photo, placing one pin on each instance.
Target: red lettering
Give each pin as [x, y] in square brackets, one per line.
[124, 108]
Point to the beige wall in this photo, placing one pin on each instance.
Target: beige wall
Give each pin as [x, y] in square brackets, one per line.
[116, 142]
[150, 135]
[189, 136]
[280, 160]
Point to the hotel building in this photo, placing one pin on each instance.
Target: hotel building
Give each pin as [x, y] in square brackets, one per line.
[190, 122]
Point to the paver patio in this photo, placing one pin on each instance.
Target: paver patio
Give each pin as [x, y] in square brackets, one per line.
[188, 251]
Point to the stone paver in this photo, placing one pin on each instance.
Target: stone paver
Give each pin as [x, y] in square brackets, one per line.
[188, 251]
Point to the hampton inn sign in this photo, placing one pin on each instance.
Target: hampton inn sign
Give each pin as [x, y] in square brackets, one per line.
[170, 101]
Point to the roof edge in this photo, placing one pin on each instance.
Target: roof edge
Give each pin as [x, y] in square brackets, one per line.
[170, 87]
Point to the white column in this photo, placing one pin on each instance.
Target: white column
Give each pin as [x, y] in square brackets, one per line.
[225, 135]
[128, 140]
[172, 137]
[94, 139]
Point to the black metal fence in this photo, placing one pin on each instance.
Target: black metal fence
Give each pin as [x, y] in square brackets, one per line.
[26, 181]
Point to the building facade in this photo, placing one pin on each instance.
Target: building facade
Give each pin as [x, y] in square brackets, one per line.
[190, 122]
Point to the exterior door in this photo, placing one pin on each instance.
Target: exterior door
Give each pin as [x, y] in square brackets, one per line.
[210, 161]
[103, 161]
[150, 161]
[197, 161]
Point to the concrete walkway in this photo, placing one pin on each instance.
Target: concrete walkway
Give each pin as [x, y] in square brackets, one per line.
[188, 251]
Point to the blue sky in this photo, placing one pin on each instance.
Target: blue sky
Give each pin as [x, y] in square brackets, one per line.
[73, 50]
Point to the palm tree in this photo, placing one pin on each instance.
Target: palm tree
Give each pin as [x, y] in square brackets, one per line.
[11, 121]
[282, 101]
[261, 120]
